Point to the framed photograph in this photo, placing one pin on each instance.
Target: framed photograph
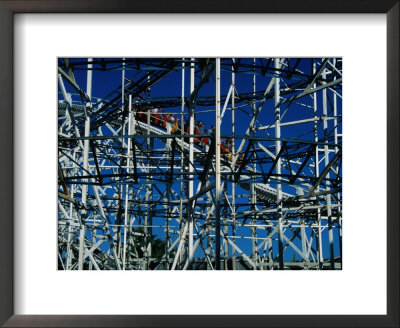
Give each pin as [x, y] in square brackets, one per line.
[194, 164]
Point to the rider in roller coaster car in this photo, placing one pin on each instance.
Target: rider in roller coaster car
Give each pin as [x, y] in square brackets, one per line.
[175, 126]
[140, 112]
[157, 113]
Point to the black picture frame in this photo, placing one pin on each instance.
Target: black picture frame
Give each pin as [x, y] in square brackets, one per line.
[7, 200]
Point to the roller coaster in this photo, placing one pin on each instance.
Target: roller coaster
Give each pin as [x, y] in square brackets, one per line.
[143, 186]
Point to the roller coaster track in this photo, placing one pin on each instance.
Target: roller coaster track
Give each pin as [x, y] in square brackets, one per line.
[263, 191]
[140, 194]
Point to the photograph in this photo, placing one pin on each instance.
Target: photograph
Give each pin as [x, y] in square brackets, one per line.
[195, 163]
